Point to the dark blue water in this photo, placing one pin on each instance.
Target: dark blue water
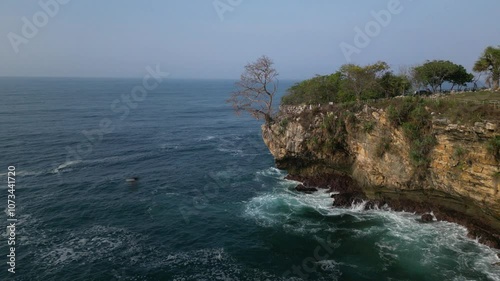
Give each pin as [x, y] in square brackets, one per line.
[208, 204]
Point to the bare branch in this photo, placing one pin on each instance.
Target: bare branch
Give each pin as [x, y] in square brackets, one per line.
[256, 89]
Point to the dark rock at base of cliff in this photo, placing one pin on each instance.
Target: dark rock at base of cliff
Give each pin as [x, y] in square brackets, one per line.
[484, 237]
[334, 182]
[347, 199]
[305, 189]
[405, 205]
[374, 204]
[427, 218]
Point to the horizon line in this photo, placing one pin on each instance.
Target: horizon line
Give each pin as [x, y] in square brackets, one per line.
[133, 77]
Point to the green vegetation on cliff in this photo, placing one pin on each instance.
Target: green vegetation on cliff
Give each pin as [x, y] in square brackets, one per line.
[412, 116]
[374, 81]
[350, 83]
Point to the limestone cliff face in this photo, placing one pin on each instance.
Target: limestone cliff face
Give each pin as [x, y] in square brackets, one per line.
[461, 175]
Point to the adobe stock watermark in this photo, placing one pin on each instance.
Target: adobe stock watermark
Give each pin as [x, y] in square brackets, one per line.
[224, 6]
[310, 264]
[363, 37]
[30, 28]
[122, 107]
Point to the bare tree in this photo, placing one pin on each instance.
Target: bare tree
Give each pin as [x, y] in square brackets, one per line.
[256, 89]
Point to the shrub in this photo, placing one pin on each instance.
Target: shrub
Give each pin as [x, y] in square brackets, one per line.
[494, 147]
[393, 115]
[420, 149]
[383, 146]
[458, 152]
[283, 125]
[411, 115]
[368, 126]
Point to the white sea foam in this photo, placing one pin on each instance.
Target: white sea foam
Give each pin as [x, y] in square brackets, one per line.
[207, 138]
[358, 207]
[400, 235]
[332, 267]
[272, 172]
[284, 208]
[232, 151]
[168, 146]
[66, 165]
[212, 264]
[89, 245]
[239, 145]
[69, 165]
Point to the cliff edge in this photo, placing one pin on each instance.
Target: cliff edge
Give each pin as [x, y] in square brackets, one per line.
[409, 154]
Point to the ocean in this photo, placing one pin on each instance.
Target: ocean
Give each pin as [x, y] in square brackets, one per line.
[208, 203]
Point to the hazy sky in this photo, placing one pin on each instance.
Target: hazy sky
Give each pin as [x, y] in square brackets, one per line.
[191, 39]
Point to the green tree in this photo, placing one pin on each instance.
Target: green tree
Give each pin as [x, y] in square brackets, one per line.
[460, 77]
[363, 82]
[435, 73]
[320, 89]
[394, 85]
[489, 62]
[256, 90]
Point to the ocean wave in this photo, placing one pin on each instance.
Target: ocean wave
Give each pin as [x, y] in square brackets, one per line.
[272, 172]
[284, 209]
[66, 165]
[240, 145]
[168, 146]
[207, 138]
[217, 264]
[213, 264]
[70, 165]
[331, 266]
[232, 151]
[400, 238]
[90, 245]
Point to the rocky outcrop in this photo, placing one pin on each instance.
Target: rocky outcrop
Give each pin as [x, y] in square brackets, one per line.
[369, 158]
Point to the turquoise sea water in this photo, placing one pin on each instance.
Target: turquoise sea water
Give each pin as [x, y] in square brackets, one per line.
[208, 205]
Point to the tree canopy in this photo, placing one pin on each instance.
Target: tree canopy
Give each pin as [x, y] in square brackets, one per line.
[363, 81]
[351, 83]
[489, 63]
[435, 73]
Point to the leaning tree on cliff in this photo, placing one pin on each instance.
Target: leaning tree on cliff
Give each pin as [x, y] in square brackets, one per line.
[256, 89]
[489, 62]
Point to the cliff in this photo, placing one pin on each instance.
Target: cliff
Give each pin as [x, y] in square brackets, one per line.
[416, 159]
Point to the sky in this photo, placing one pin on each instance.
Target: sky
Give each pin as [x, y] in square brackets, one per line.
[214, 39]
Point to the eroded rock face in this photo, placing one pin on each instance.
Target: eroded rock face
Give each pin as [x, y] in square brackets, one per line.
[460, 178]
[305, 189]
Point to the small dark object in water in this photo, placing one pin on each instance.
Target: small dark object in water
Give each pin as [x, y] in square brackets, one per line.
[427, 218]
[132, 179]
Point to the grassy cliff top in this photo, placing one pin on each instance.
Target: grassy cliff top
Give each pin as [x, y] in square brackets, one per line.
[460, 108]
